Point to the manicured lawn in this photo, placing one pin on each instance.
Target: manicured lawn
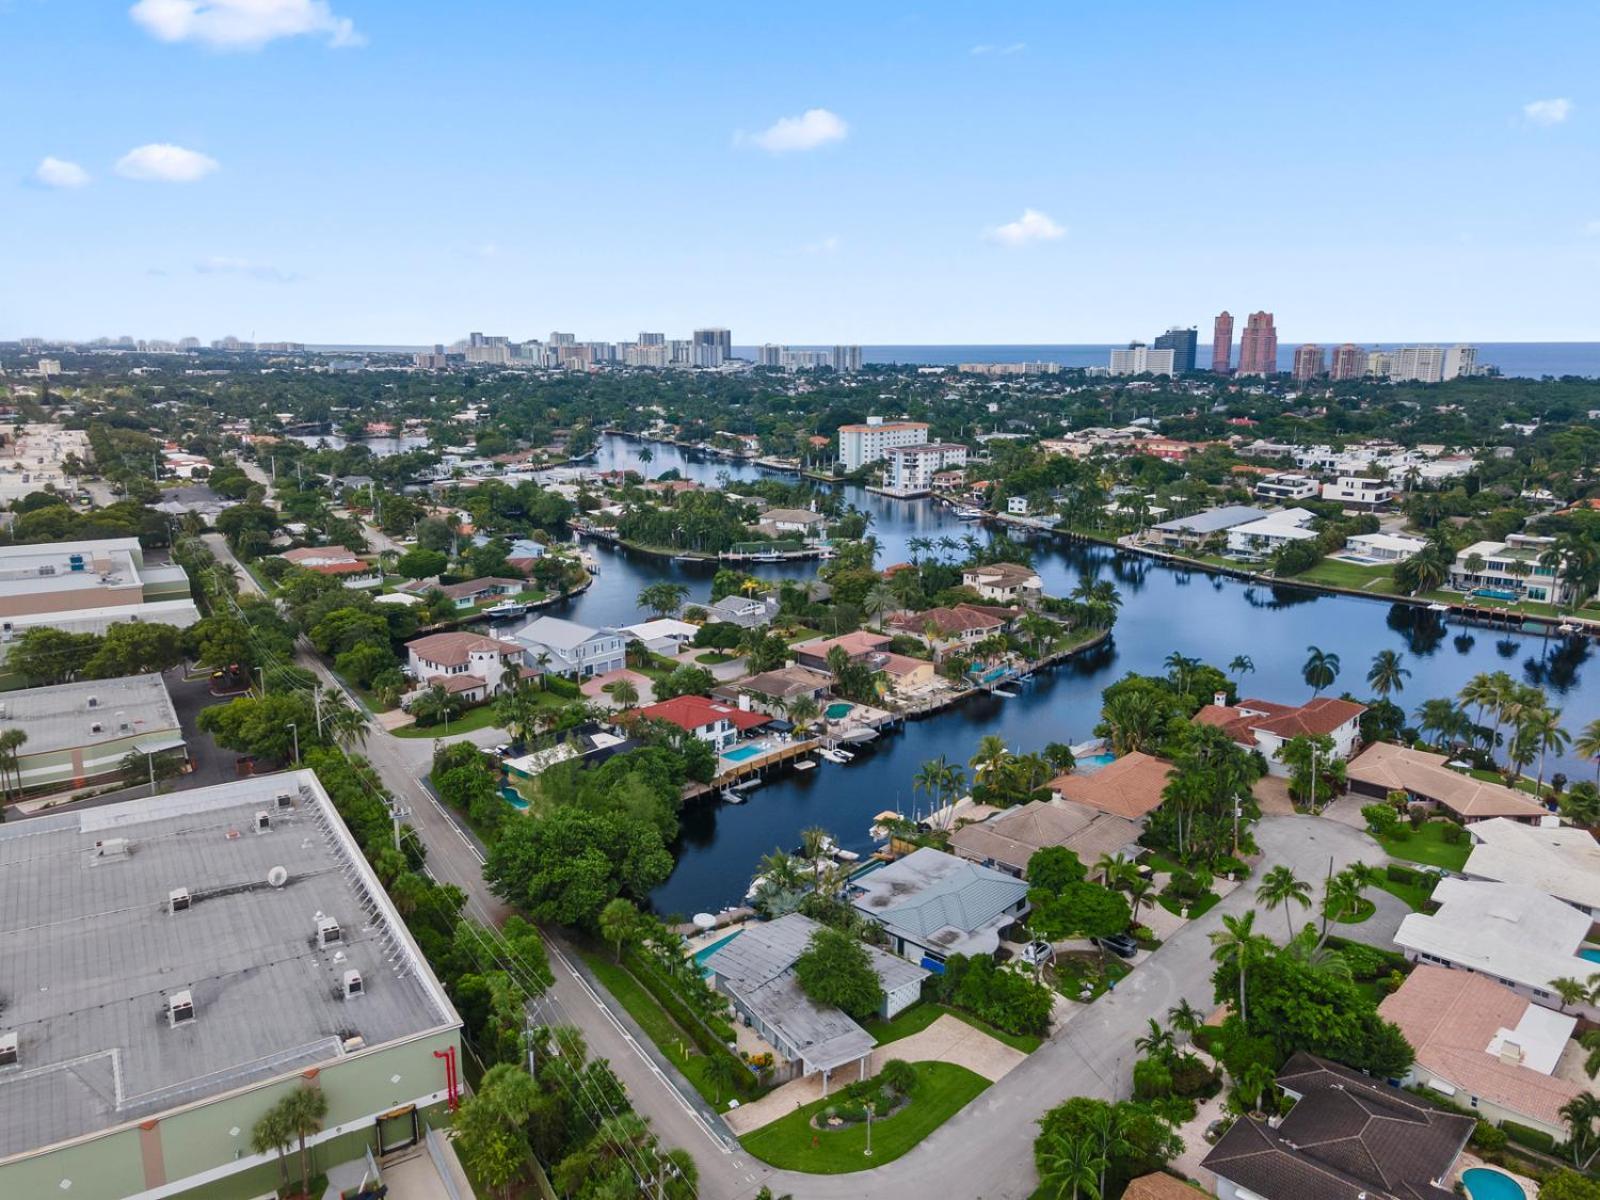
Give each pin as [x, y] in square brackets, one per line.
[1196, 907]
[1427, 845]
[1375, 580]
[481, 717]
[1413, 894]
[1522, 784]
[1363, 910]
[713, 658]
[1100, 972]
[919, 1016]
[791, 1143]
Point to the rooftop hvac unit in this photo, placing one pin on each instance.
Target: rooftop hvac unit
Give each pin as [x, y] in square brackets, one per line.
[178, 900]
[263, 820]
[353, 985]
[285, 801]
[112, 848]
[94, 701]
[8, 1048]
[47, 569]
[180, 1007]
[328, 932]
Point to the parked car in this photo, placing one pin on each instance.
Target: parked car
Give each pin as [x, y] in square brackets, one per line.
[1120, 944]
[1037, 953]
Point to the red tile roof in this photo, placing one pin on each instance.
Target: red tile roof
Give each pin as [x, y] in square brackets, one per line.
[1129, 787]
[696, 712]
[343, 568]
[454, 649]
[1320, 716]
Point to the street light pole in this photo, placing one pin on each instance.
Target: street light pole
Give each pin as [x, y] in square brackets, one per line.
[262, 671]
[295, 730]
[868, 1151]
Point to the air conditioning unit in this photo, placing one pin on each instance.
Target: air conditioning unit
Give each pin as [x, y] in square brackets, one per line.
[263, 820]
[112, 848]
[8, 1048]
[285, 801]
[180, 1007]
[353, 985]
[178, 900]
[328, 932]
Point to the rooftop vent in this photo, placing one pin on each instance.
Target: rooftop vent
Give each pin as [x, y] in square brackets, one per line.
[353, 1043]
[180, 1007]
[263, 820]
[328, 932]
[8, 1048]
[353, 985]
[94, 701]
[285, 800]
[112, 848]
[277, 877]
[178, 900]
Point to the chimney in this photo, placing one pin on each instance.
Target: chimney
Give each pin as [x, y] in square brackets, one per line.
[744, 701]
[1220, 699]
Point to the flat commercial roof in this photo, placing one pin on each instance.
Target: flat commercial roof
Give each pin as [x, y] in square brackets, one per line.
[92, 953]
[70, 715]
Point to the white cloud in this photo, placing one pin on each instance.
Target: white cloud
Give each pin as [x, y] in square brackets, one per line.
[823, 247]
[59, 173]
[243, 24]
[221, 265]
[980, 51]
[162, 162]
[1548, 112]
[1031, 226]
[812, 128]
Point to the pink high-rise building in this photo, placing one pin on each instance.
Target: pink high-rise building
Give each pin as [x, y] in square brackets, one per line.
[1308, 362]
[1258, 346]
[1349, 362]
[1222, 343]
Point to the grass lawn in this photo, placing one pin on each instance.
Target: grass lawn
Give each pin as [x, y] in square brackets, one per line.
[1363, 910]
[1196, 907]
[1100, 972]
[1427, 845]
[659, 1027]
[791, 1143]
[1375, 580]
[800, 635]
[1522, 784]
[1413, 894]
[714, 658]
[481, 717]
[919, 1016]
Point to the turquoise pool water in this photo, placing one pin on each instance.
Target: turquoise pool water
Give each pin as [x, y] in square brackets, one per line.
[1497, 594]
[514, 798]
[1591, 953]
[706, 952]
[1096, 760]
[1484, 1184]
[742, 753]
[837, 712]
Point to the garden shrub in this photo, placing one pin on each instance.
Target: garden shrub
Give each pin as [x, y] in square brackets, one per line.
[1395, 873]
[561, 686]
[1533, 1139]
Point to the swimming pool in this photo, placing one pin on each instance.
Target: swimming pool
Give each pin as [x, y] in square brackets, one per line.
[1591, 953]
[514, 798]
[1494, 594]
[742, 753]
[1484, 1184]
[1093, 762]
[837, 712]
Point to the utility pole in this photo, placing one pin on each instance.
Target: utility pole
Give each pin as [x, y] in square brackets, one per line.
[262, 671]
[316, 699]
[295, 731]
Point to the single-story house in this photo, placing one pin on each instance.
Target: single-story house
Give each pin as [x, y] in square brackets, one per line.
[793, 520]
[465, 664]
[786, 684]
[933, 905]
[1004, 583]
[755, 970]
[1384, 767]
[1481, 1045]
[856, 646]
[1348, 1137]
[480, 591]
[663, 635]
[1203, 528]
[708, 720]
[1382, 547]
[84, 731]
[746, 612]
[1507, 931]
[1007, 840]
[1265, 726]
[1557, 860]
[339, 561]
[1129, 787]
[318, 556]
[567, 648]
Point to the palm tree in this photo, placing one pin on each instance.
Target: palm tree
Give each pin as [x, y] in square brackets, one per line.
[1587, 744]
[11, 741]
[1281, 886]
[1113, 869]
[1242, 665]
[1442, 717]
[1107, 1125]
[1570, 991]
[1134, 720]
[303, 1110]
[722, 1072]
[624, 693]
[1387, 675]
[1579, 1113]
[814, 843]
[991, 757]
[1581, 805]
[1544, 728]
[879, 602]
[1157, 1043]
[272, 1133]
[619, 922]
[802, 711]
[1320, 670]
[1237, 945]
[930, 779]
[918, 547]
[1185, 1018]
[1139, 889]
[1182, 667]
[781, 871]
[1070, 1167]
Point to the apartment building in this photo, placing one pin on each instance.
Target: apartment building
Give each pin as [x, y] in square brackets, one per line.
[868, 443]
[909, 470]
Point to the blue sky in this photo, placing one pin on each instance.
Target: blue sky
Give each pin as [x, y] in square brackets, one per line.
[395, 171]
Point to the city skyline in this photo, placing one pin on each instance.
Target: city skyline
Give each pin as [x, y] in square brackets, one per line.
[377, 174]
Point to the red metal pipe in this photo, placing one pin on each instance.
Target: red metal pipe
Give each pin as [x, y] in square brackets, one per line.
[452, 1091]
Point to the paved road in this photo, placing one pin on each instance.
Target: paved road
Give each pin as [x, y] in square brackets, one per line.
[986, 1150]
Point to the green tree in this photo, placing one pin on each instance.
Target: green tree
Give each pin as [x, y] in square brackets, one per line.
[1235, 946]
[1387, 674]
[272, 1134]
[1070, 1167]
[421, 563]
[1567, 1184]
[304, 1110]
[491, 1126]
[568, 865]
[620, 924]
[45, 656]
[663, 598]
[836, 970]
[1320, 670]
[1281, 886]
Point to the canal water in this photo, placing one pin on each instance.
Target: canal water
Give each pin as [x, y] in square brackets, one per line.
[1164, 609]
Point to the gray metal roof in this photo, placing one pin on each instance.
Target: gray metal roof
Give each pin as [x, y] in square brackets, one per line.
[939, 900]
[1214, 520]
[758, 968]
[91, 953]
[63, 718]
[556, 633]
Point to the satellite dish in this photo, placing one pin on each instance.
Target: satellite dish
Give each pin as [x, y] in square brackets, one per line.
[278, 876]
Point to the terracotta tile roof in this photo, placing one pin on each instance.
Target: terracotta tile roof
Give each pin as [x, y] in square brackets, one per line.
[356, 567]
[1129, 787]
[1452, 1017]
[305, 554]
[458, 683]
[454, 649]
[1011, 838]
[1240, 721]
[862, 641]
[1399, 768]
[949, 621]
[1161, 1186]
[695, 712]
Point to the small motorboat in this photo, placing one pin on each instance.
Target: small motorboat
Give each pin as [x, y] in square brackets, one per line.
[767, 556]
[833, 756]
[806, 764]
[685, 558]
[969, 514]
[1438, 608]
[847, 856]
[1005, 692]
[729, 796]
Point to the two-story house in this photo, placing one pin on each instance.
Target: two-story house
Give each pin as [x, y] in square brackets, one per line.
[1265, 726]
[1515, 569]
[1004, 583]
[1357, 491]
[567, 648]
[465, 664]
[709, 720]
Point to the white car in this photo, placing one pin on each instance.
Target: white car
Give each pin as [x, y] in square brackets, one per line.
[1037, 953]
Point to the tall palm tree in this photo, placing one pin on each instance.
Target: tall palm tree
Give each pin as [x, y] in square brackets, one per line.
[1581, 805]
[814, 842]
[991, 757]
[1242, 665]
[1185, 1018]
[1320, 669]
[1587, 744]
[304, 1110]
[272, 1133]
[802, 711]
[1387, 675]
[1579, 1113]
[879, 602]
[1281, 886]
[1157, 1043]
[1180, 667]
[1569, 991]
[1237, 945]
[1069, 1167]
[1545, 729]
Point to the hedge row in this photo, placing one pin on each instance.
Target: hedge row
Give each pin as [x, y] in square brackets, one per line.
[690, 1022]
[1533, 1139]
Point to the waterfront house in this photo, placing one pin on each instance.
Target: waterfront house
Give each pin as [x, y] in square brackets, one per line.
[744, 611]
[755, 970]
[901, 673]
[786, 685]
[1265, 726]
[1203, 529]
[946, 629]
[933, 905]
[474, 592]
[1423, 776]
[465, 664]
[1129, 787]
[856, 646]
[793, 520]
[1004, 583]
[663, 635]
[709, 720]
[1484, 1047]
[1513, 570]
[1256, 540]
[1507, 931]
[1347, 1137]
[1007, 840]
[1559, 861]
[1381, 547]
[567, 648]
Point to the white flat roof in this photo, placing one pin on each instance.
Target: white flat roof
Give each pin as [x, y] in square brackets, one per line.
[1507, 930]
[1558, 861]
